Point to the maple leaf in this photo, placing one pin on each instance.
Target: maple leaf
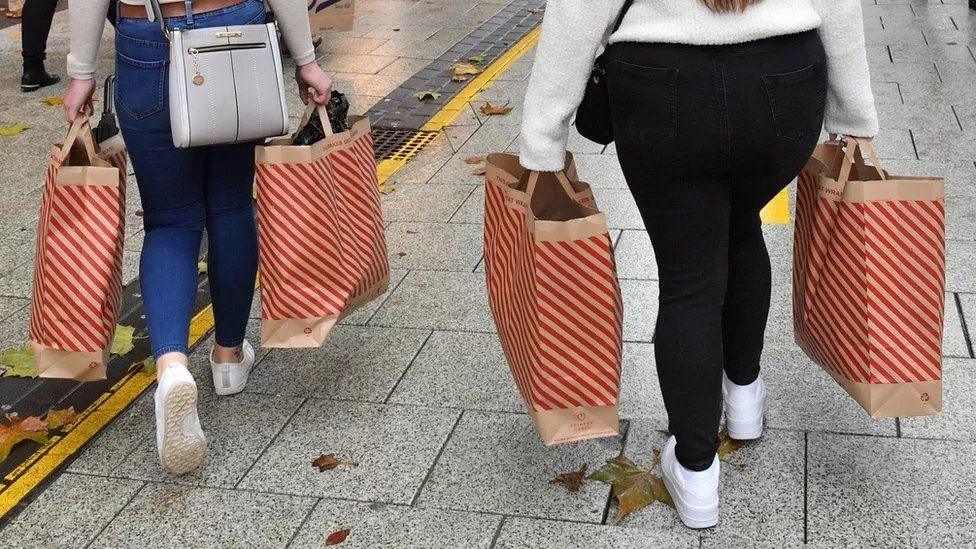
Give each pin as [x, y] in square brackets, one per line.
[19, 362]
[59, 418]
[425, 95]
[329, 462]
[491, 110]
[122, 343]
[572, 481]
[52, 101]
[474, 160]
[463, 69]
[13, 129]
[634, 487]
[19, 430]
[337, 537]
[477, 58]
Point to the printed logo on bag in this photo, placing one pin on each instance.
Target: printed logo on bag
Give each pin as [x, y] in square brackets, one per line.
[925, 397]
[92, 365]
[581, 416]
[308, 331]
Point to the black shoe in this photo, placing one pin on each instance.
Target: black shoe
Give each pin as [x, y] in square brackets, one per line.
[35, 79]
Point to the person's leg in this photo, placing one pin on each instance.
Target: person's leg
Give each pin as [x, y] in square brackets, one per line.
[672, 151]
[35, 27]
[232, 254]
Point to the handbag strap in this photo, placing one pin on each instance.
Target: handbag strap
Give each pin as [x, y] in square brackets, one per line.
[155, 12]
[621, 15]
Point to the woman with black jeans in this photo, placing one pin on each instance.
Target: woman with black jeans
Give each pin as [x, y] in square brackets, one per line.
[716, 107]
[35, 27]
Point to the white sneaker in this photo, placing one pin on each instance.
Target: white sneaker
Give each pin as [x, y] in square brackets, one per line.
[179, 437]
[230, 378]
[695, 493]
[744, 408]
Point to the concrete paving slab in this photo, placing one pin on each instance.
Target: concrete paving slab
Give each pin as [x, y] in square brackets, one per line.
[640, 309]
[853, 481]
[435, 246]
[506, 449]
[524, 533]
[438, 301]
[362, 315]
[380, 525]
[953, 338]
[635, 256]
[395, 447]
[460, 370]
[70, 512]
[424, 202]
[356, 363]
[173, 516]
[961, 266]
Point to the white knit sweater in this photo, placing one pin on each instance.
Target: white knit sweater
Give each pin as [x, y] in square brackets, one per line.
[574, 31]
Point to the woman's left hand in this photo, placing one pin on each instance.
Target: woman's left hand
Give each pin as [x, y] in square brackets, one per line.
[313, 84]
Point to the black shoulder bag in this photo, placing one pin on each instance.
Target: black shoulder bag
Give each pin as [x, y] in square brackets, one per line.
[593, 114]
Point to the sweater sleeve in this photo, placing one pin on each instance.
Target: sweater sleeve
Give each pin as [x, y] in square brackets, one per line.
[850, 102]
[572, 33]
[292, 16]
[86, 21]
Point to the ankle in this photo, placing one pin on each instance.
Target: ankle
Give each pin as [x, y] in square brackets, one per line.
[166, 360]
[228, 355]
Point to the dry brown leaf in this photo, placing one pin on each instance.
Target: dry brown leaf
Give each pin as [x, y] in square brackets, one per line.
[386, 188]
[52, 101]
[460, 78]
[57, 419]
[474, 160]
[337, 537]
[634, 487]
[728, 446]
[572, 481]
[492, 110]
[329, 462]
[466, 69]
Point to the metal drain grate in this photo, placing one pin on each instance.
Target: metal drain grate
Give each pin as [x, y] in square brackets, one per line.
[399, 143]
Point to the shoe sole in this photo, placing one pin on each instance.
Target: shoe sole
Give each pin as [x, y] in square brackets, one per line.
[24, 88]
[181, 453]
[696, 519]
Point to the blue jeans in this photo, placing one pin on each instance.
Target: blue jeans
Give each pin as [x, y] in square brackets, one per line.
[184, 191]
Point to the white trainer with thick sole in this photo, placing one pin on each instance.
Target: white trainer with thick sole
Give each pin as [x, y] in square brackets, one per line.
[230, 378]
[695, 493]
[179, 437]
[745, 406]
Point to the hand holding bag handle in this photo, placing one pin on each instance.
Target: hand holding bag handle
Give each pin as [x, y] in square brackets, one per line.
[854, 159]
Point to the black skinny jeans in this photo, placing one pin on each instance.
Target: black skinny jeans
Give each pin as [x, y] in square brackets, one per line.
[706, 136]
[35, 26]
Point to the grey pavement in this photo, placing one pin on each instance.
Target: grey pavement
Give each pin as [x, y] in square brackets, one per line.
[416, 389]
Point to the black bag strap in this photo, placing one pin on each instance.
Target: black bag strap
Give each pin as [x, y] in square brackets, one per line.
[621, 15]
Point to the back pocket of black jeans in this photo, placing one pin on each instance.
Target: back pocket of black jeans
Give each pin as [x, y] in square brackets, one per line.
[796, 100]
[644, 101]
[140, 85]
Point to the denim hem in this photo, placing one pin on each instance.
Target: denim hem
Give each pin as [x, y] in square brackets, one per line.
[177, 348]
[222, 344]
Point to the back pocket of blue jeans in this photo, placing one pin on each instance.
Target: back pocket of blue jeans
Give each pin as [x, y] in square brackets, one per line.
[140, 85]
[797, 100]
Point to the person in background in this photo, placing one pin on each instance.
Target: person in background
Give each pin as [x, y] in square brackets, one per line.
[35, 27]
[716, 106]
[184, 191]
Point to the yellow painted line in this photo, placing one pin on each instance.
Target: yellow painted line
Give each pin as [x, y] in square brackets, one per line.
[48, 459]
[457, 105]
[777, 212]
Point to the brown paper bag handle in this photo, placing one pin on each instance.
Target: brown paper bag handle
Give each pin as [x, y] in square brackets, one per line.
[853, 158]
[323, 116]
[80, 129]
[560, 176]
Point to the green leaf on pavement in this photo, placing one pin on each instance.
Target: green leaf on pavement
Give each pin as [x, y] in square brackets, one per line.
[425, 95]
[13, 129]
[18, 362]
[59, 418]
[477, 58]
[122, 343]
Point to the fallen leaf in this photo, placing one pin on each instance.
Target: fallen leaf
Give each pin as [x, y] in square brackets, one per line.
[122, 343]
[402, 254]
[460, 78]
[492, 110]
[19, 362]
[147, 365]
[536, 10]
[19, 430]
[337, 537]
[462, 69]
[572, 481]
[474, 160]
[425, 95]
[411, 232]
[477, 58]
[138, 213]
[59, 418]
[634, 487]
[385, 188]
[52, 101]
[13, 129]
[480, 170]
[728, 446]
[329, 462]
[202, 267]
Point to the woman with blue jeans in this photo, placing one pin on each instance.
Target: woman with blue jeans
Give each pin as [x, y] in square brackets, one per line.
[183, 192]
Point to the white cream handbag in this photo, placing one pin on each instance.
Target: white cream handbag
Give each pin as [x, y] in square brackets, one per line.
[225, 83]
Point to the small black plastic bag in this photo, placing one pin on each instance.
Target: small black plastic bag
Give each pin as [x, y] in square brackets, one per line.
[338, 111]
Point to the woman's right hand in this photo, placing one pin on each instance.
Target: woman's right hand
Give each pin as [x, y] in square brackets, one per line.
[78, 98]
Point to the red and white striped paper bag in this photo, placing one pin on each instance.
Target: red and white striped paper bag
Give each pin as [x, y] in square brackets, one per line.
[554, 295]
[869, 279]
[78, 261]
[322, 250]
